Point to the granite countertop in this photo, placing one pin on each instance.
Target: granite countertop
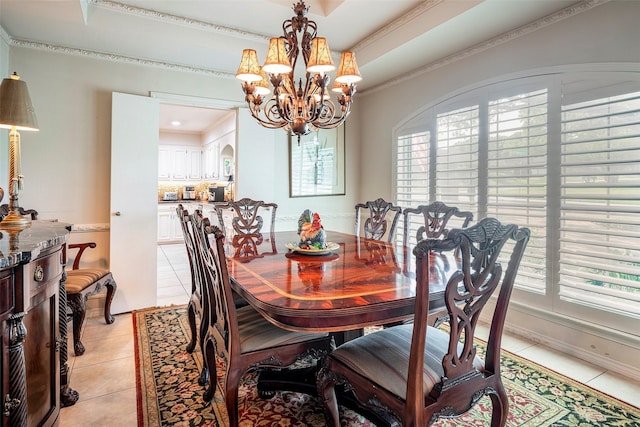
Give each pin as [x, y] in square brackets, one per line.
[23, 246]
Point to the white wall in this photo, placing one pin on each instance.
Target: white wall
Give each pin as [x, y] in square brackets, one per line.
[605, 34]
[67, 164]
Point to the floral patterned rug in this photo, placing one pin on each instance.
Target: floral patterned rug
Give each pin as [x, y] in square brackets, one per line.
[168, 393]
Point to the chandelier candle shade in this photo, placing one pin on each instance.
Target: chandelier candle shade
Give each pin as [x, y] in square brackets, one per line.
[16, 114]
[306, 106]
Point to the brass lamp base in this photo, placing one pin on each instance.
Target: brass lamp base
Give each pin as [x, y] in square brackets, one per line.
[14, 221]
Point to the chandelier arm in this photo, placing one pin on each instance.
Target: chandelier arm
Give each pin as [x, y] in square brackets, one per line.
[300, 106]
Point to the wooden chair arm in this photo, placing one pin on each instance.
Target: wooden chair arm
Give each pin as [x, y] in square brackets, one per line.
[81, 247]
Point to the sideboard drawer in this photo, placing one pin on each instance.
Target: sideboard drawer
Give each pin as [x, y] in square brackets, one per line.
[43, 277]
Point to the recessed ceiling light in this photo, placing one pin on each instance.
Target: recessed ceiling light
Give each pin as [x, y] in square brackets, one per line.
[176, 123]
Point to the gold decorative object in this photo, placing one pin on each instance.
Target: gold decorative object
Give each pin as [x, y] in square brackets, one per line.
[16, 114]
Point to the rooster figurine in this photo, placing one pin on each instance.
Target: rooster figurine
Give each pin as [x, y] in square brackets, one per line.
[312, 234]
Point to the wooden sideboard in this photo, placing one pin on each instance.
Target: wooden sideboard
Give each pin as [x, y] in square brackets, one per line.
[33, 353]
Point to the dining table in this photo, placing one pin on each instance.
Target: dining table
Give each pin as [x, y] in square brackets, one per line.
[356, 282]
[352, 284]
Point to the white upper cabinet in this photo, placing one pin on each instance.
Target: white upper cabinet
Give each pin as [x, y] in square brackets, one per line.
[180, 163]
[194, 167]
[210, 163]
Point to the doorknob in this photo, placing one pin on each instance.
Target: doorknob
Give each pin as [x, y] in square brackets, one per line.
[117, 213]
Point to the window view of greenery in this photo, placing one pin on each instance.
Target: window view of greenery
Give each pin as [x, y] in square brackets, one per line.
[599, 249]
[560, 155]
[313, 165]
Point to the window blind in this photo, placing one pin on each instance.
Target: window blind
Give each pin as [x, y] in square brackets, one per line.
[600, 204]
[517, 176]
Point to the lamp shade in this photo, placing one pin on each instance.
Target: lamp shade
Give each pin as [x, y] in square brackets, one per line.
[320, 57]
[348, 71]
[16, 109]
[277, 61]
[262, 86]
[249, 70]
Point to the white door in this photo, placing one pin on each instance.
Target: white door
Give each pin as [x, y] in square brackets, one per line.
[134, 187]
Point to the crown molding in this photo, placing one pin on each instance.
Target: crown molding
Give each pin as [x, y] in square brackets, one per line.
[553, 18]
[419, 10]
[118, 58]
[473, 50]
[177, 20]
[5, 36]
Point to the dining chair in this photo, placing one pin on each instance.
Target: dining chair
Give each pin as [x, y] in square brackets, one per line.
[79, 284]
[247, 247]
[240, 337]
[247, 217]
[196, 306]
[375, 226]
[414, 374]
[436, 219]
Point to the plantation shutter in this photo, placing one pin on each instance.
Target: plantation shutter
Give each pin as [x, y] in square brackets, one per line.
[456, 142]
[600, 198]
[517, 176]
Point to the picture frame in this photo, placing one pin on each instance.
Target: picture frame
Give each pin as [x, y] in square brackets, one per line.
[227, 166]
[316, 163]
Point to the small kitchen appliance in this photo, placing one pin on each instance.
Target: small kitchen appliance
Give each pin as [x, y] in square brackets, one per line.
[170, 195]
[189, 192]
[216, 194]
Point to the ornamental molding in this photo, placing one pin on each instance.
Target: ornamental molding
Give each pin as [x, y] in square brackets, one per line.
[556, 17]
[397, 24]
[5, 36]
[118, 58]
[553, 18]
[177, 20]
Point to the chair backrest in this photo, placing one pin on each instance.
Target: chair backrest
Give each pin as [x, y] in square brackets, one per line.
[187, 232]
[466, 294]
[375, 226]
[246, 247]
[246, 215]
[221, 311]
[436, 217]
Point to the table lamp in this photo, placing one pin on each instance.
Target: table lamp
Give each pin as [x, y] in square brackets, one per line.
[16, 113]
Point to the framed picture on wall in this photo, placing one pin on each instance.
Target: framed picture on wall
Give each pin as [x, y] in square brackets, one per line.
[227, 166]
[316, 163]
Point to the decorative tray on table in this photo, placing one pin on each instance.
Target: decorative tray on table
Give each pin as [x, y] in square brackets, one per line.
[311, 250]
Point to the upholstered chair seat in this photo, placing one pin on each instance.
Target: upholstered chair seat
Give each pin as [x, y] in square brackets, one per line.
[383, 357]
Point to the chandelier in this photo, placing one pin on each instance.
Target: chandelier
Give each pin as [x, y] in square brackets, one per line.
[306, 106]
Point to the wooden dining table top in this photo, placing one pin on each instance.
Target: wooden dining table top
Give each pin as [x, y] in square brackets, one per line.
[362, 283]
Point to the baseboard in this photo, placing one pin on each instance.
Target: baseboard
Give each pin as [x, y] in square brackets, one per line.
[610, 350]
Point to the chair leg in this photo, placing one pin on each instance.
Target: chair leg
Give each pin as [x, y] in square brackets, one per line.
[191, 315]
[231, 396]
[327, 394]
[204, 373]
[111, 291]
[78, 309]
[209, 357]
[500, 403]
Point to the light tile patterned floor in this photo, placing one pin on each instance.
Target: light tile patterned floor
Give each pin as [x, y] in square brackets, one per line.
[105, 375]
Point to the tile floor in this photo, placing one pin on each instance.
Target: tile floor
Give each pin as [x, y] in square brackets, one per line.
[105, 375]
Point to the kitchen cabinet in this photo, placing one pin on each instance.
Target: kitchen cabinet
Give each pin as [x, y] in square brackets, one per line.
[169, 227]
[194, 170]
[210, 163]
[179, 162]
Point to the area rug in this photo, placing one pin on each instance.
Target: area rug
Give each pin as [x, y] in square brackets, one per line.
[168, 393]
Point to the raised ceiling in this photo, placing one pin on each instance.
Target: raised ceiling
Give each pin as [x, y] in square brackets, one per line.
[391, 38]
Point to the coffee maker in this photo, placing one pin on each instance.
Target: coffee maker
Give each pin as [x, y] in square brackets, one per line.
[216, 194]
